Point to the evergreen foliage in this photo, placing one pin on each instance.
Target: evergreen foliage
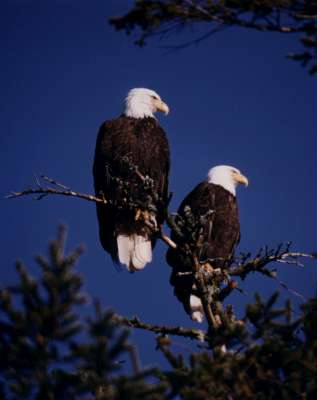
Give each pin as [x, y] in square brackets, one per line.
[49, 350]
[166, 17]
[275, 358]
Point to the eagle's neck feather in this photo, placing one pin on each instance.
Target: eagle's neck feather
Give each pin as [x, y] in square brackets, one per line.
[227, 184]
[138, 109]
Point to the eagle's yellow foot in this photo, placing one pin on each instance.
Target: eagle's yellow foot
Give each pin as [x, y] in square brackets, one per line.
[138, 214]
[147, 217]
[207, 268]
[218, 320]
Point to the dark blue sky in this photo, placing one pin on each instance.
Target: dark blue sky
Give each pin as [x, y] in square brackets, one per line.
[235, 99]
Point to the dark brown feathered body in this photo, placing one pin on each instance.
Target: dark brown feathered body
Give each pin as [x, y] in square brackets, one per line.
[219, 234]
[122, 144]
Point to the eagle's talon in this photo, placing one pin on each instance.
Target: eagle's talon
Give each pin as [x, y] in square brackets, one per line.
[207, 268]
[138, 215]
[147, 217]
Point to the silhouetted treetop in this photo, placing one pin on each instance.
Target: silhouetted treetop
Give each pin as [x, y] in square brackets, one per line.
[51, 351]
[161, 18]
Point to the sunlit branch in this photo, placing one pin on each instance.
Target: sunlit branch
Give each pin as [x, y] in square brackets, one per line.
[258, 263]
[43, 192]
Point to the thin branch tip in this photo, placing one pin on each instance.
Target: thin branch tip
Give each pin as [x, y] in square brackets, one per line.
[135, 322]
[42, 191]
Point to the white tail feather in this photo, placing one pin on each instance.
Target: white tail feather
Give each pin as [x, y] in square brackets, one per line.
[196, 309]
[142, 253]
[125, 246]
[134, 251]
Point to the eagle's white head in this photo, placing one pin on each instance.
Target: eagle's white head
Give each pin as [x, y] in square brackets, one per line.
[226, 176]
[141, 103]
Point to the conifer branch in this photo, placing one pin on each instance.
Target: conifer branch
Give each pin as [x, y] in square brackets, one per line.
[44, 357]
[163, 18]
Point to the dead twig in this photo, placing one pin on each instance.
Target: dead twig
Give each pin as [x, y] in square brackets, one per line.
[43, 192]
[195, 334]
[166, 239]
[54, 182]
[259, 262]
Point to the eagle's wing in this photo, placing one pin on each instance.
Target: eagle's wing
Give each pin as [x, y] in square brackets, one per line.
[219, 234]
[201, 203]
[225, 234]
[123, 143]
[104, 186]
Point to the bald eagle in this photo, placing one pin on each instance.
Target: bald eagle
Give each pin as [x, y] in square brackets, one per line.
[132, 153]
[213, 205]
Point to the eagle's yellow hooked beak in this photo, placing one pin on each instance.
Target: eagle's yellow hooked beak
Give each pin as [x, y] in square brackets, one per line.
[239, 178]
[161, 106]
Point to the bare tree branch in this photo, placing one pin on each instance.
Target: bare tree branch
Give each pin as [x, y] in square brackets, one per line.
[63, 190]
[167, 240]
[54, 182]
[259, 262]
[195, 334]
[43, 192]
[213, 285]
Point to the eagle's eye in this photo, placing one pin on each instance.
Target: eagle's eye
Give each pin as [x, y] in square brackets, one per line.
[154, 97]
